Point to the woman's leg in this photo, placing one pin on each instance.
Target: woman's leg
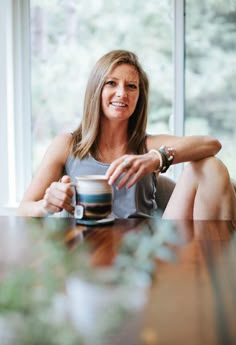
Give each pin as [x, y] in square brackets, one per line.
[204, 191]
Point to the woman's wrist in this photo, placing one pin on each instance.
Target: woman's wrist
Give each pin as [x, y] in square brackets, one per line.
[32, 209]
[165, 156]
[159, 160]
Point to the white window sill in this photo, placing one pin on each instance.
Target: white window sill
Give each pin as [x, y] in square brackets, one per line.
[8, 210]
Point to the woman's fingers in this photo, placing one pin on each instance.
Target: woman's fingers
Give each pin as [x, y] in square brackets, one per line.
[50, 208]
[58, 197]
[120, 169]
[132, 175]
[129, 169]
[65, 179]
[114, 165]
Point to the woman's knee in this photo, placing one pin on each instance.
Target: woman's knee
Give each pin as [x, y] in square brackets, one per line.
[209, 168]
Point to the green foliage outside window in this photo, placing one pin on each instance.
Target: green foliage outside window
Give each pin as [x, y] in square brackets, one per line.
[68, 36]
[211, 73]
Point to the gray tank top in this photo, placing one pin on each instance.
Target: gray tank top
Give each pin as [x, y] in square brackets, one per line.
[137, 201]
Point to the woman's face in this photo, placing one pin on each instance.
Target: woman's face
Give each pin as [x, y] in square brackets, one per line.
[120, 92]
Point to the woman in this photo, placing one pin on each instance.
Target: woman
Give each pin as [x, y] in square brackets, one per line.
[112, 140]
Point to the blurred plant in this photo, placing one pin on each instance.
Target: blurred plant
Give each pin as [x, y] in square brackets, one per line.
[140, 249]
[32, 293]
[33, 298]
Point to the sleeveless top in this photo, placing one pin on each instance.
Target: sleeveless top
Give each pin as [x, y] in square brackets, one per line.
[137, 201]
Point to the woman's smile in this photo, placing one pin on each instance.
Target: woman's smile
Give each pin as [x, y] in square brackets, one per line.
[118, 104]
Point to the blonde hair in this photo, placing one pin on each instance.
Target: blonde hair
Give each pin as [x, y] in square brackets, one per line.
[85, 137]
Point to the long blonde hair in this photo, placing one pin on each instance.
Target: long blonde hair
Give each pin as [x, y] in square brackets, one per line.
[85, 137]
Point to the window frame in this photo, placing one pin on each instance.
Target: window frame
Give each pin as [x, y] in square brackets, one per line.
[15, 109]
[15, 95]
[178, 116]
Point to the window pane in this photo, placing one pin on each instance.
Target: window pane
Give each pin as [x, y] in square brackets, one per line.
[211, 73]
[68, 37]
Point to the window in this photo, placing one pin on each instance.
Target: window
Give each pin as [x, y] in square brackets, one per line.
[48, 48]
[67, 38]
[211, 73]
[15, 127]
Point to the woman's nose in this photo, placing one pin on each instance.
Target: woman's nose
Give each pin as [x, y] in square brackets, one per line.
[121, 91]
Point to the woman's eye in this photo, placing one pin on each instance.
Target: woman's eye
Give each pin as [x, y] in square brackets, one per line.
[110, 82]
[132, 86]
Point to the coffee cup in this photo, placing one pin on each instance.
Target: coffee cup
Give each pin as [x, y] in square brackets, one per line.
[93, 197]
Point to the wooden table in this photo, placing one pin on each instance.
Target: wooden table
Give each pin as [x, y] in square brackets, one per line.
[192, 299]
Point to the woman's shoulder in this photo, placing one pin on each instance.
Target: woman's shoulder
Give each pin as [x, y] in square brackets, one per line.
[64, 139]
[60, 146]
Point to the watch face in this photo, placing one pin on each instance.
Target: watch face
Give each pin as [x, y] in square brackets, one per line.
[79, 211]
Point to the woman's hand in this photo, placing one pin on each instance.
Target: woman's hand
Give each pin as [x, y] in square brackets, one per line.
[130, 168]
[58, 196]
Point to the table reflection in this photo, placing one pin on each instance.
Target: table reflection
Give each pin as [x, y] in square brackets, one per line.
[136, 281]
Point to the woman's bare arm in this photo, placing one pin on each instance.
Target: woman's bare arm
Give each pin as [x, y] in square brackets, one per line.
[34, 202]
[187, 148]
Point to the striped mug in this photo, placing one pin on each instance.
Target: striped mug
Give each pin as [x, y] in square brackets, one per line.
[93, 197]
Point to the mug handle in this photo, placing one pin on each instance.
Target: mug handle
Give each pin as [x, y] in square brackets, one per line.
[79, 209]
